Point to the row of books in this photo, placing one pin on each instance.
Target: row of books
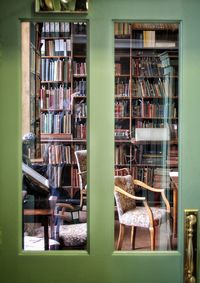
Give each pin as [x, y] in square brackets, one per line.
[152, 110]
[122, 87]
[120, 155]
[56, 47]
[57, 98]
[58, 154]
[172, 157]
[151, 154]
[80, 131]
[122, 68]
[155, 88]
[155, 26]
[79, 68]
[55, 70]
[150, 124]
[55, 176]
[80, 110]
[153, 39]
[145, 38]
[55, 123]
[122, 28]
[80, 28]
[152, 158]
[147, 67]
[122, 109]
[56, 29]
[80, 87]
[75, 178]
[146, 88]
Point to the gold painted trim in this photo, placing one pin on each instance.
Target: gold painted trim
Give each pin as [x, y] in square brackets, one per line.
[190, 256]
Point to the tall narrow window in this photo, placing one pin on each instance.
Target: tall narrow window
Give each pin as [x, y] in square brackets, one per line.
[146, 135]
[54, 122]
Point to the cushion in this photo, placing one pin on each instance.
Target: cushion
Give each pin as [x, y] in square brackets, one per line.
[123, 202]
[73, 235]
[139, 217]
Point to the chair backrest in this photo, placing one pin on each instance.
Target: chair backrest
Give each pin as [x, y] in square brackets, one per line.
[123, 202]
[81, 159]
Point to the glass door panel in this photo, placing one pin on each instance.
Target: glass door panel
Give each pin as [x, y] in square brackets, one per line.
[54, 146]
[146, 135]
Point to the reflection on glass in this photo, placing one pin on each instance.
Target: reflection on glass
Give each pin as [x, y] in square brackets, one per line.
[54, 166]
[146, 135]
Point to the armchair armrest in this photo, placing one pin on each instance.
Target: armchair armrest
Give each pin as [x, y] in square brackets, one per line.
[65, 205]
[162, 191]
[121, 191]
[82, 173]
[145, 186]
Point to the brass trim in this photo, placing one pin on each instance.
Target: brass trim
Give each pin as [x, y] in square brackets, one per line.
[190, 257]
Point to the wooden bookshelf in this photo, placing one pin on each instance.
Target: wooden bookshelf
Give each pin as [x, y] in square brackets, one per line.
[60, 101]
[146, 96]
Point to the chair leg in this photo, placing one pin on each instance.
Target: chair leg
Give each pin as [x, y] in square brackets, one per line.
[152, 238]
[169, 235]
[133, 234]
[121, 236]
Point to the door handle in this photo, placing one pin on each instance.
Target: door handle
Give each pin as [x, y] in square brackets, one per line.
[190, 256]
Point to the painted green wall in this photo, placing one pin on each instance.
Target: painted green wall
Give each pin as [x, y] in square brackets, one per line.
[100, 265]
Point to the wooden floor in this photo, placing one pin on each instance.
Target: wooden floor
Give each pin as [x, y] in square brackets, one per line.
[143, 239]
[142, 236]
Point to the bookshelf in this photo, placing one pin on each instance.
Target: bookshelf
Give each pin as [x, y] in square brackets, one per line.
[58, 103]
[146, 100]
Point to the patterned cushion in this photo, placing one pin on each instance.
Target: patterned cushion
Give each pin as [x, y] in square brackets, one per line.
[81, 158]
[73, 235]
[139, 217]
[123, 202]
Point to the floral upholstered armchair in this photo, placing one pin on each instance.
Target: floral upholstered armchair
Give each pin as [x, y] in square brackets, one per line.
[130, 214]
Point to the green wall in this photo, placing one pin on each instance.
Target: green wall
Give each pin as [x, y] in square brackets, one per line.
[100, 265]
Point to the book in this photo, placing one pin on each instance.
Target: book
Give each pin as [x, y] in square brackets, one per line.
[35, 176]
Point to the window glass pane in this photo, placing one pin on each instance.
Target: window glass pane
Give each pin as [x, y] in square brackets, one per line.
[54, 161]
[146, 135]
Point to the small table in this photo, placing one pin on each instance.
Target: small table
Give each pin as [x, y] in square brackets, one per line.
[46, 216]
[174, 182]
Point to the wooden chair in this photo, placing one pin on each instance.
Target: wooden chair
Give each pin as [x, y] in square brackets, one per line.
[135, 216]
[121, 172]
[81, 159]
[75, 205]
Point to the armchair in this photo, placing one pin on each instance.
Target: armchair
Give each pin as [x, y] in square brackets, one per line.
[135, 216]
